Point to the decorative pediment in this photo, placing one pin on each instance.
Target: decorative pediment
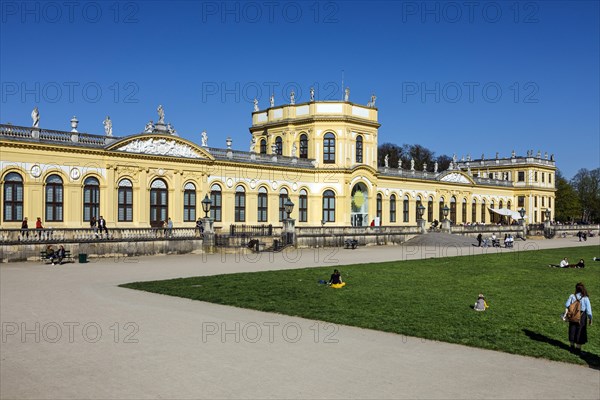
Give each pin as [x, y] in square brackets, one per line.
[456, 177]
[160, 146]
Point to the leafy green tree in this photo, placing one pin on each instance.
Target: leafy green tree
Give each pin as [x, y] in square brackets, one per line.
[567, 206]
[587, 185]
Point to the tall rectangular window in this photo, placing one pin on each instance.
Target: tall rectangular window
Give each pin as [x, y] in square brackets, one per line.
[189, 203]
[13, 197]
[262, 205]
[393, 208]
[240, 204]
[329, 206]
[303, 206]
[216, 207]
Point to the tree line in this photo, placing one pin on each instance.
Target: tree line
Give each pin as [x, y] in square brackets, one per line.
[578, 199]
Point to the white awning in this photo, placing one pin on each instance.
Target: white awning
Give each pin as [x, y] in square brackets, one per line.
[509, 213]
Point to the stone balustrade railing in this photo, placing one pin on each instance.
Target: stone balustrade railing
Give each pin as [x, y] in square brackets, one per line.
[51, 236]
[48, 135]
[355, 230]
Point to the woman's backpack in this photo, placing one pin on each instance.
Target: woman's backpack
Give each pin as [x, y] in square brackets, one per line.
[574, 311]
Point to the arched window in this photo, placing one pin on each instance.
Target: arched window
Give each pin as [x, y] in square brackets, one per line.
[464, 211]
[278, 146]
[217, 202]
[303, 146]
[329, 148]
[508, 204]
[405, 209]
[430, 209]
[453, 209]
[483, 210]
[359, 149]
[329, 206]
[303, 206]
[473, 211]
[54, 198]
[91, 198]
[240, 204]
[379, 208]
[283, 196]
[440, 210]
[263, 146]
[125, 201]
[159, 203]
[263, 205]
[189, 202]
[393, 208]
[417, 204]
[13, 197]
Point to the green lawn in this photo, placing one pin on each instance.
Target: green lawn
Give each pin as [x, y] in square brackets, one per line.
[430, 298]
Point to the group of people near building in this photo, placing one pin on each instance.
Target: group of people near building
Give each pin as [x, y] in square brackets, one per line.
[39, 228]
[98, 226]
[493, 241]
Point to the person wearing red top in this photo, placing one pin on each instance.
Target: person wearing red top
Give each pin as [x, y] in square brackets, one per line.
[39, 227]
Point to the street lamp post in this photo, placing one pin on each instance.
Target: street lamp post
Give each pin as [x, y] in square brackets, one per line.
[207, 222]
[290, 223]
[446, 226]
[522, 221]
[420, 220]
[547, 220]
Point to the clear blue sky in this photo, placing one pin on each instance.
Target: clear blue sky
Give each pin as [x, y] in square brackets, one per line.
[495, 76]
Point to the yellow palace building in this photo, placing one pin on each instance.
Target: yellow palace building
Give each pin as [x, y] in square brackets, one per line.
[322, 155]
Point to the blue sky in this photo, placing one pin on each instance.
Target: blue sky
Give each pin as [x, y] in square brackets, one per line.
[467, 79]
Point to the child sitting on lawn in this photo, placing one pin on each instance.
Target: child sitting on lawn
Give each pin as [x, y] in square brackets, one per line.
[480, 304]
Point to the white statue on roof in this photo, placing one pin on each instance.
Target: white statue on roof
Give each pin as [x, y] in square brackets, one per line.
[149, 127]
[347, 94]
[161, 114]
[272, 100]
[292, 97]
[107, 126]
[35, 116]
[255, 104]
[204, 139]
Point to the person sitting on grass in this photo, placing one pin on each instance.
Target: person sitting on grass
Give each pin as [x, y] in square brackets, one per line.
[596, 258]
[564, 263]
[580, 264]
[480, 304]
[336, 280]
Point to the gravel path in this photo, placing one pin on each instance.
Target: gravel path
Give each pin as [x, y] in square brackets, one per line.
[69, 332]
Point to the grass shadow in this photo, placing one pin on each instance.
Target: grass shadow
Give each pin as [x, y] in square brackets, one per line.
[592, 360]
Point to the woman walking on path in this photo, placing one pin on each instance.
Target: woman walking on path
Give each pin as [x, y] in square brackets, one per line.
[578, 329]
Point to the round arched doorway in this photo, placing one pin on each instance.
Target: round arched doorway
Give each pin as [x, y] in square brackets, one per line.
[359, 205]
